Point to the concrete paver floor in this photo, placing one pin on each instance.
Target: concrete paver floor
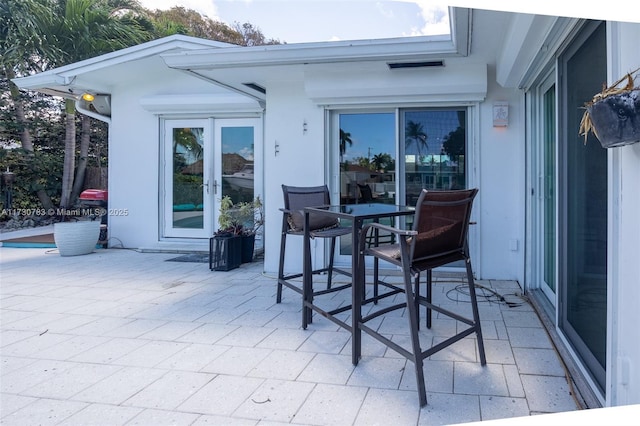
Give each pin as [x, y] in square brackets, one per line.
[119, 337]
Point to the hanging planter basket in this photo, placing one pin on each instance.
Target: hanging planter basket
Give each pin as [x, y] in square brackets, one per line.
[613, 115]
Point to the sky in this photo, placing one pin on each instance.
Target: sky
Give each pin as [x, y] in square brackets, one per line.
[300, 21]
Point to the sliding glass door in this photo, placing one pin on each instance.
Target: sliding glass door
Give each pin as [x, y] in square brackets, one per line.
[583, 231]
[389, 156]
[545, 189]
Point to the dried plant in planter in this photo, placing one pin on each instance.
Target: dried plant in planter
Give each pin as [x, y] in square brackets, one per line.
[613, 115]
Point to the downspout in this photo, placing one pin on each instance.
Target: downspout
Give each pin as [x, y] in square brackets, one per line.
[81, 108]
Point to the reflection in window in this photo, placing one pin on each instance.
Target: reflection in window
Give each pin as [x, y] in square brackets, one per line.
[432, 146]
[367, 158]
[237, 163]
[434, 143]
[187, 178]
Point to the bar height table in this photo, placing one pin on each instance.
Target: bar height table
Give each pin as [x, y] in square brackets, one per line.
[357, 214]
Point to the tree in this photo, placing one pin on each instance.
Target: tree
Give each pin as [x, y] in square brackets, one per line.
[415, 134]
[179, 20]
[382, 162]
[26, 44]
[36, 35]
[252, 36]
[345, 139]
[87, 28]
[454, 143]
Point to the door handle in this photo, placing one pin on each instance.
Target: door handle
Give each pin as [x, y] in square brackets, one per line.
[205, 185]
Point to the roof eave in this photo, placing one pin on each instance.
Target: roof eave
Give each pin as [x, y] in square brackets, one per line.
[312, 53]
[64, 76]
[396, 49]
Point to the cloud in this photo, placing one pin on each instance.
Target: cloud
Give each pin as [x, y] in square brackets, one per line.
[436, 18]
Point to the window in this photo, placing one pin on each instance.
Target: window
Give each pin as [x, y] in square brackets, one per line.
[389, 156]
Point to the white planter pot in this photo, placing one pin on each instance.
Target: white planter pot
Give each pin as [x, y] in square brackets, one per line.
[76, 238]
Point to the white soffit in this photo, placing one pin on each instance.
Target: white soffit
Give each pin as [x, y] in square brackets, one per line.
[199, 103]
[531, 43]
[452, 83]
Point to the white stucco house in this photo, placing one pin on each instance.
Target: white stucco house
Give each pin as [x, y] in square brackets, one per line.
[498, 104]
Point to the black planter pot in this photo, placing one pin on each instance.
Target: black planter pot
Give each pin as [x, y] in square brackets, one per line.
[225, 252]
[616, 119]
[247, 248]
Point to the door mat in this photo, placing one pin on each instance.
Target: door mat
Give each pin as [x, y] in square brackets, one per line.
[193, 257]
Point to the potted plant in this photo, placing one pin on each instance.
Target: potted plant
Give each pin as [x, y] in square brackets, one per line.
[76, 237]
[239, 224]
[613, 115]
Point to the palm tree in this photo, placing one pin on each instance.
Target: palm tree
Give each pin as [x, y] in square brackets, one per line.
[87, 28]
[25, 43]
[381, 161]
[345, 139]
[414, 133]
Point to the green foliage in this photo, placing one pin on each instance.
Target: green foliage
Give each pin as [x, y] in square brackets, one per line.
[454, 142]
[26, 41]
[415, 135]
[252, 36]
[187, 189]
[33, 171]
[383, 162]
[37, 35]
[244, 218]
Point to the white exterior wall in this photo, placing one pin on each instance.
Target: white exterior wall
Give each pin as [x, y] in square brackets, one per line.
[134, 152]
[623, 355]
[502, 197]
[133, 171]
[497, 242]
[298, 162]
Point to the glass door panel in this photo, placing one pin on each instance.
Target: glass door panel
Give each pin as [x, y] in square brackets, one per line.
[186, 176]
[238, 141]
[426, 148]
[584, 248]
[367, 161]
[549, 193]
[237, 163]
[434, 151]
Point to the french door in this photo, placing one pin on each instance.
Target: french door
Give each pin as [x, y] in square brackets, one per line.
[205, 160]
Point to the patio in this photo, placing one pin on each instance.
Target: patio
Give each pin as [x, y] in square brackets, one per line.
[121, 337]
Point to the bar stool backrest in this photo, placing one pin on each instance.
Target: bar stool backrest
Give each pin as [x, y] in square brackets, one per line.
[442, 222]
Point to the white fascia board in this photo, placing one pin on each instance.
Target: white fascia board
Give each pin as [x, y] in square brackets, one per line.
[409, 48]
[611, 10]
[64, 75]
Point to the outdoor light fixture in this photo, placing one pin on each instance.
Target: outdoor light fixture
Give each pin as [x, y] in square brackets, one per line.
[96, 103]
[500, 114]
